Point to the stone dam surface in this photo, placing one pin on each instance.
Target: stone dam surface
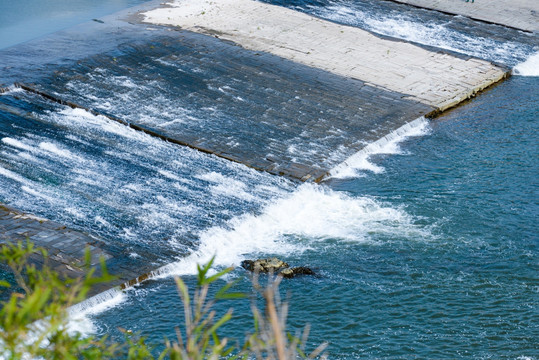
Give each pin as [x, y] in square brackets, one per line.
[517, 14]
[337, 88]
[66, 248]
[432, 78]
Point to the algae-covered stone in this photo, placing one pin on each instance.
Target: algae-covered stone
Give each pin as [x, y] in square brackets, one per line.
[302, 270]
[264, 265]
[275, 266]
[292, 272]
[287, 273]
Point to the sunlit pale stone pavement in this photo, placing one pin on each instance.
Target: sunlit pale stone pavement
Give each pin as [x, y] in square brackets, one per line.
[432, 78]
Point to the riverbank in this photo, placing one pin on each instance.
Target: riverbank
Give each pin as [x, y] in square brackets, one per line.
[427, 247]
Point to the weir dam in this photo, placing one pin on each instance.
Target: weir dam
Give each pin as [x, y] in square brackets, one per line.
[118, 104]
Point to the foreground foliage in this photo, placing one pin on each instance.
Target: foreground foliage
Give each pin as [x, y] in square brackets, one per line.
[33, 320]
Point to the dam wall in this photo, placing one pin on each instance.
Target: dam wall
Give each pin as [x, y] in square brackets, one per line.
[271, 88]
[66, 248]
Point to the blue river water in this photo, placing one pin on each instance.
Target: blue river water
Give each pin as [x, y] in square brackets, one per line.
[29, 19]
[427, 249]
[433, 257]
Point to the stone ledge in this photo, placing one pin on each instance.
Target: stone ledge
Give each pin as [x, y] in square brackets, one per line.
[65, 248]
[433, 78]
[517, 14]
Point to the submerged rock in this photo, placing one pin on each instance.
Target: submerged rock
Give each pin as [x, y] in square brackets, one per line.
[300, 270]
[276, 266]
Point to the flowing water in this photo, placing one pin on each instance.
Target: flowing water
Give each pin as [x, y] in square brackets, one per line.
[425, 242]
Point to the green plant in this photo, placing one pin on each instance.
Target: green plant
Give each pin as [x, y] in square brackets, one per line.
[33, 321]
[200, 339]
[270, 341]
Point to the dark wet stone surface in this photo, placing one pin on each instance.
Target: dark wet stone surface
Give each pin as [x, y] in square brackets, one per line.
[275, 266]
[257, 109]
[66, 248]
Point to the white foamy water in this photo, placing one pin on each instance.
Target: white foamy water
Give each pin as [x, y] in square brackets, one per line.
[154, 112]
[302, 220]
[432, 33]
[311, 214]
[356, 164]
[226, 186]
[79, 318]
[16, 143]
[12, 89]
[55, 150]
[80, 314]
[291, 222]
[37, 147]
[530, 67]
[124, 185]
[13, 176]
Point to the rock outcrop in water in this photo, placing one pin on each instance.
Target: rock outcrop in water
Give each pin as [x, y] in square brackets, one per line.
[300, 270]
[275, 266]
[264, 265]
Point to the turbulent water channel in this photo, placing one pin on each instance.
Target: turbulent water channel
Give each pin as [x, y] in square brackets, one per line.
[424, 246]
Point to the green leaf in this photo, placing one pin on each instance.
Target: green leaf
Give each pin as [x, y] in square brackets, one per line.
[182, 290]
[217, 276]
[224, 294]
[221, 322]
[202, 271]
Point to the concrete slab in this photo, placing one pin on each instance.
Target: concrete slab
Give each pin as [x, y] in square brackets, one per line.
[310, 94]
[517, 14]
[17, 225]
[266, 112]
[66, 248]
[432, 78]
